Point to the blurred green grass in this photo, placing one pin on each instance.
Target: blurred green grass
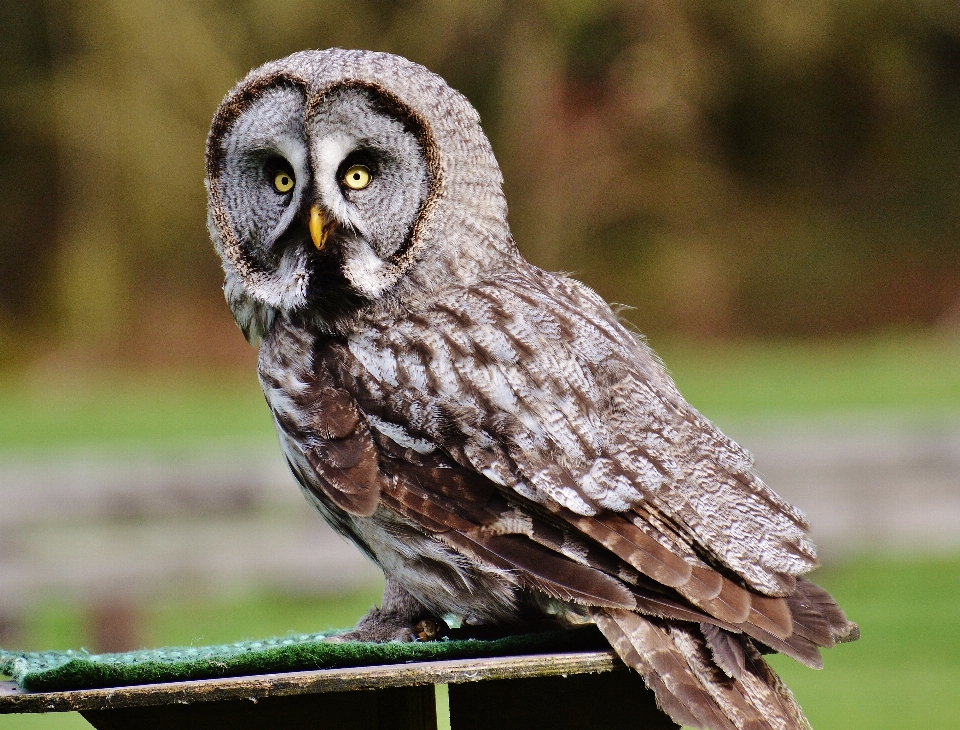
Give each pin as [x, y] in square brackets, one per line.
[902, 376]
[907, 376]
[902, 675]
[131, 411]
[905, 670]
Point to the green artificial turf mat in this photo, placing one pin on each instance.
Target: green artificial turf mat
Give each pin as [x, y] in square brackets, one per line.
[76, 669]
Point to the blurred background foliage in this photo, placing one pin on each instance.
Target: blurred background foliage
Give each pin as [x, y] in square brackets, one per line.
[737, 169]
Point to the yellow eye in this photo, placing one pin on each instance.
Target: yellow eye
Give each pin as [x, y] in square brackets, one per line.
[283, 182]
[357, 177]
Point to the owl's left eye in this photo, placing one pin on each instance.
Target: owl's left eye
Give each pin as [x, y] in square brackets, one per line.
[283, 181]
[357, 177]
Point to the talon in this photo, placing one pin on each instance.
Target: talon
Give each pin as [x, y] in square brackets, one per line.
[430, 628]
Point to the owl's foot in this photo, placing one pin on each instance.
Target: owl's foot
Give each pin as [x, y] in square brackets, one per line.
[380, 627]
[400, 618]
[429, 629]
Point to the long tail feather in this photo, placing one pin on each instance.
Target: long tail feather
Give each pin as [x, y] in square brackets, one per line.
[635, 653]
[678, 663]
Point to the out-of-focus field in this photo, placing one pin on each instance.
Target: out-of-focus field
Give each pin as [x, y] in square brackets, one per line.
[902, 377]
[119, 411]
[903, 673]
[173, 621]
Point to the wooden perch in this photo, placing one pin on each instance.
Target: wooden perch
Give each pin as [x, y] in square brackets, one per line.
[570, 691]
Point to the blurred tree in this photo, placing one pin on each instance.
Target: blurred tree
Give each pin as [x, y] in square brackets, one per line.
[28, 176]
[745, 167]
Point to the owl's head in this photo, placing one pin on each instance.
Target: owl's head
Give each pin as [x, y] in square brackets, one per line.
[339, 178]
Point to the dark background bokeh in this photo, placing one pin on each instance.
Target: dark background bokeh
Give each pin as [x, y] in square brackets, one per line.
[729, 169]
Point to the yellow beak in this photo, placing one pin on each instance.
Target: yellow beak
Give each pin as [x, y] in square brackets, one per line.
[317, 231]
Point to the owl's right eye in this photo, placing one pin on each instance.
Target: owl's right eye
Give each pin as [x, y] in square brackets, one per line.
[283, 181]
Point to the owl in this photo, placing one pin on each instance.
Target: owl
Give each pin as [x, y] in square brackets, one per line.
[488, 433]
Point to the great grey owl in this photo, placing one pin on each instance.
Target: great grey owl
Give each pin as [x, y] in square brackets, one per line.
[487, 432]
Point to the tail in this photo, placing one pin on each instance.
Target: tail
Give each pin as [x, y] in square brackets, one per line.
[702, 676]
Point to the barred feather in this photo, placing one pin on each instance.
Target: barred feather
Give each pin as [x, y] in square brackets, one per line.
[489, 433]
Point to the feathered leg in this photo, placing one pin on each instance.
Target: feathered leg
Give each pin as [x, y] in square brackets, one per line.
[400, 617]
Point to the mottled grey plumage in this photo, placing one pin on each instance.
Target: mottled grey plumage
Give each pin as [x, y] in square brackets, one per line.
[487, 432]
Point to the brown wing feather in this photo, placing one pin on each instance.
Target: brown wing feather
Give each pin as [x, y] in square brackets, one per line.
[554, 574]
[818, 617]
[726, 648]
[352, 488]
[634, 546]
[796, 647]
[336, 441]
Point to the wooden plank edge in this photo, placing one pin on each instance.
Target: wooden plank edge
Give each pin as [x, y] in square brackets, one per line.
[253, 688]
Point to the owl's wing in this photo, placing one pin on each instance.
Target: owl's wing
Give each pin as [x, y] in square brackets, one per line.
[358, 467]
[532, 381]
[491, 451]
[601, 561]
[677, 621]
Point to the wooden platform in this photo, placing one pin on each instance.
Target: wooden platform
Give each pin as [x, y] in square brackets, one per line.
[576, 691]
